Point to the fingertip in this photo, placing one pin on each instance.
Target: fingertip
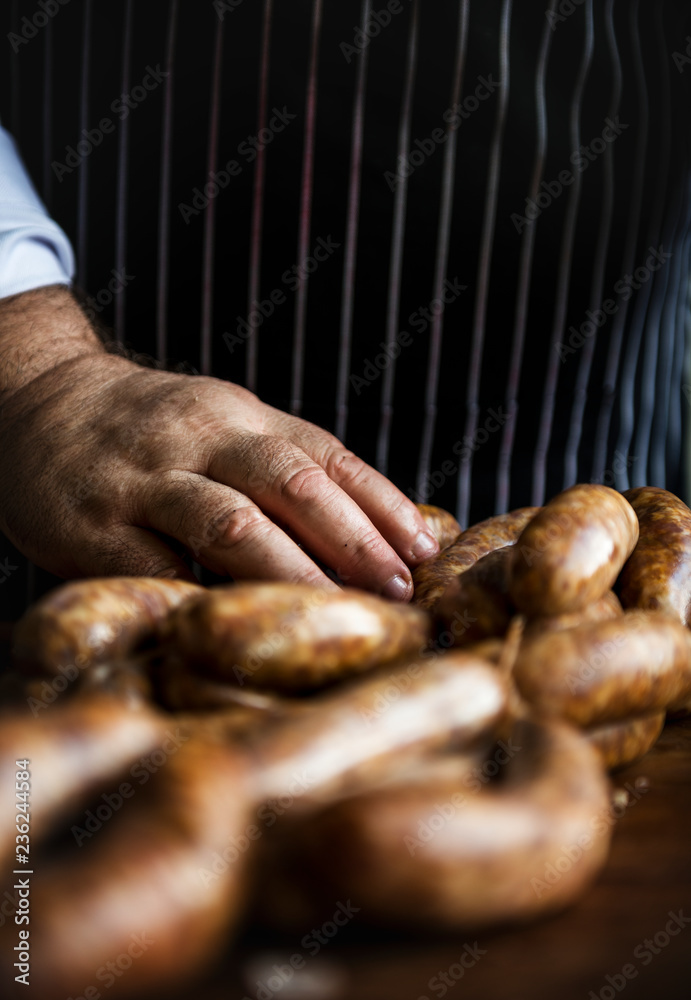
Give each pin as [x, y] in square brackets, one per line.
[425, 546]
[398, 588]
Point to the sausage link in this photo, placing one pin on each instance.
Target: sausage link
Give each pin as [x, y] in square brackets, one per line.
[434, 854]
[180, 688]
[600, 672]
[89, 621]
[605, 609]
[572, 551]
[346, 738]
[622, 743]
[476, 604]
[142, 879]
[72, 747]
[433, 576]
[291, 637]
[657, 575]
[443, 525]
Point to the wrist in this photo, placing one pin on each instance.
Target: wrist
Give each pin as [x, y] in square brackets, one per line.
[40, 330]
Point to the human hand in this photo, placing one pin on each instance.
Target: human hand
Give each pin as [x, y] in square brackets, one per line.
[103, 462]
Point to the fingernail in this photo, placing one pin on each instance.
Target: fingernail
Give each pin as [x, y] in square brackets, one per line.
[397, 589]
[425, 546]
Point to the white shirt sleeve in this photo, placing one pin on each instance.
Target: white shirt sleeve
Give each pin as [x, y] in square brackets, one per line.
[34, 250]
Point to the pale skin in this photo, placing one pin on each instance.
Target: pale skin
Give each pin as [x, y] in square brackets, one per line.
[107, 467]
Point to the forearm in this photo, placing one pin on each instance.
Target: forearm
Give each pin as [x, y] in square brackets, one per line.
[39, 331]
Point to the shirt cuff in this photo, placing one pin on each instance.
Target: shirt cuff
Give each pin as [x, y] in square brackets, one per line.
[34, 250]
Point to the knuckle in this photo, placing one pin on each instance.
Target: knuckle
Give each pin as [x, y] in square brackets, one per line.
[361, 550]
[344, 466]
[303, 484]
[241, 527]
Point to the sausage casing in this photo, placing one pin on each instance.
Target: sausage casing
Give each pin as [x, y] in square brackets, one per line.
[657, 575]
[290, 636]
[476, 604]
[440, 853]
[600, 672]
[343, 739]
[604, 609]
[622, 743]
[88, 621]
[433, 576]
[442, 523]
[572, 551]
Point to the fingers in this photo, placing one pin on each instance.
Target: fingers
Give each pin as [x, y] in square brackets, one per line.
[391, 512]
[289, 486]
[226, 532]
[132, 551]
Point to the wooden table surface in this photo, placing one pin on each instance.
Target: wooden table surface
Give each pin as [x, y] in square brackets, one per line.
[620, 924]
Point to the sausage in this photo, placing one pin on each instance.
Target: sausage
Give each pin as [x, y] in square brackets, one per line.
[443, 525]
[637, 664]
[347, 737]
[657, 575]
[622, 743]
[476, 604]
[572, 551]
[433, 576]
[437, 853]
[149, 875]
[231, 726]
[180, 688]
[71, 747]
[126, 680]
[604, 609]
[283, 896]
[90, 621]
[291, 637]
[154, 866]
